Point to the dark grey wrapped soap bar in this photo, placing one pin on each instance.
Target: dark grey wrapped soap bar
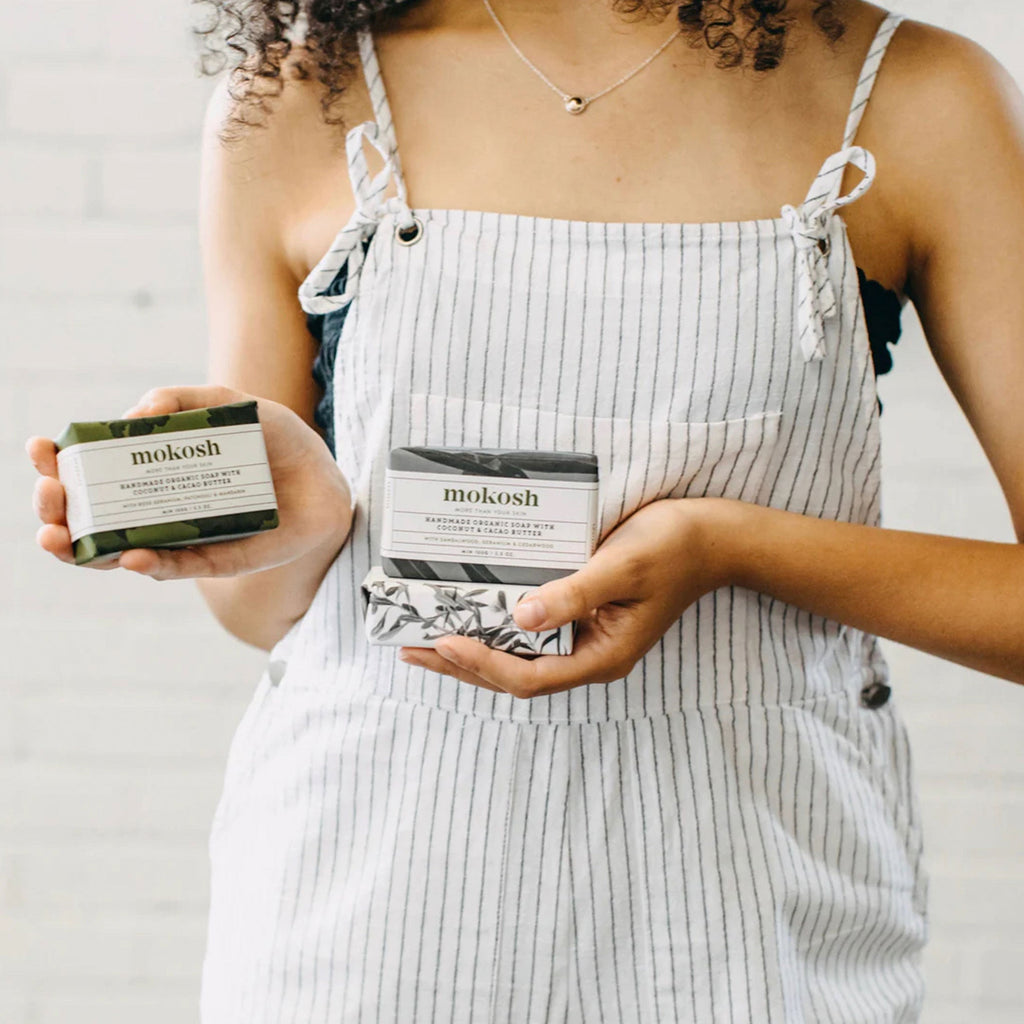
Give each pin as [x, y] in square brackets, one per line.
[488, 515]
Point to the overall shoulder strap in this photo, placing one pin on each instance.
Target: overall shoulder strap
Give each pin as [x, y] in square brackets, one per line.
[811, 224]
[868, 75]
[824, 194]
[325, 288]
[386, 141]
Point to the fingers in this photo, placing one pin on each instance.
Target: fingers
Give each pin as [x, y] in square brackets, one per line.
[43, 454]
[603, 579]
[56, 539]
[425, 657]
[161, 401]
[547, 674]
[189, 562]
[167, 564]
[222, 558]
[48, 503]
[48, 500]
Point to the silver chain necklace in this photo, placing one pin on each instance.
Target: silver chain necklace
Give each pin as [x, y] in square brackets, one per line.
[575, 104]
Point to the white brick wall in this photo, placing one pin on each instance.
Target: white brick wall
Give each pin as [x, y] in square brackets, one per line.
[115, 718]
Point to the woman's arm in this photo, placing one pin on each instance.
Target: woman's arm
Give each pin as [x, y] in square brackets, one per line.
[958, 122]
[962, 600]
[251, 193]
[959, 119]
[961, 171]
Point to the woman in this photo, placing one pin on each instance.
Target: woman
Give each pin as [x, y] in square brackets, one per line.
[706, 812]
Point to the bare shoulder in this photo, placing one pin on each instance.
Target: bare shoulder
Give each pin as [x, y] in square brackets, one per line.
[929, 65]
[945, 123]
[283, 177]
[945, 101]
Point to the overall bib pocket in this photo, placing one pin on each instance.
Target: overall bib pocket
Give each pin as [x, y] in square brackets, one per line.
[639, 460]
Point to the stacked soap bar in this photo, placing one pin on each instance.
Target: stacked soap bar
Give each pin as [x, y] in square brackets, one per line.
[467, 533]
[416, 613]
[488, 516]
[165, 481]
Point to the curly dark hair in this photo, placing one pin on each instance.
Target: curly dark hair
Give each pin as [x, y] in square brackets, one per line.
[256, 39]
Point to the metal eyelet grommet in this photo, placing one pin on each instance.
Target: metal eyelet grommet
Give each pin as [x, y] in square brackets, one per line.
[825, 245]
[874, 695]
[409, 235]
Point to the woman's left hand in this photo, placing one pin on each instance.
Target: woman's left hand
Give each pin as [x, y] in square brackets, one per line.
[645, 574]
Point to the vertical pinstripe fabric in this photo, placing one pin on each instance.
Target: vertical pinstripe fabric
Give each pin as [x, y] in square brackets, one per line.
[724, 835]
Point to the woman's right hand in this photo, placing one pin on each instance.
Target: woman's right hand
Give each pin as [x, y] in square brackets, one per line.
[313, 498]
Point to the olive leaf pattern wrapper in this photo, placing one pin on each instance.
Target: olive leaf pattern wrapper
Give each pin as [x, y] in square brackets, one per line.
[417, 613]
[236, 519]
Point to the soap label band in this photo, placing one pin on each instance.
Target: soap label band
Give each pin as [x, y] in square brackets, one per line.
[497, 520]
[168, 477]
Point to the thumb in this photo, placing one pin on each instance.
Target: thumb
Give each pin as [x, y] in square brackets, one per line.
[571, 597]
[161, 401]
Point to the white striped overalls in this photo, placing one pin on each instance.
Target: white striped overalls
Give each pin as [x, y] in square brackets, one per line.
[727, 834]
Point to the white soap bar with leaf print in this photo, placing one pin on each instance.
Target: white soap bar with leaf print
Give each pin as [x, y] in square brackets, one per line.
[417, 613]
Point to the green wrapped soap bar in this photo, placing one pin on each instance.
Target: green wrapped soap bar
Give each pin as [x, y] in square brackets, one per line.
[165, 481]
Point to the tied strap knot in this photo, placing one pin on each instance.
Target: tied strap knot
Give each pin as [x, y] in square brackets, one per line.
[371, 205]
[817, 303]
[333, 282]
[811, 227]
